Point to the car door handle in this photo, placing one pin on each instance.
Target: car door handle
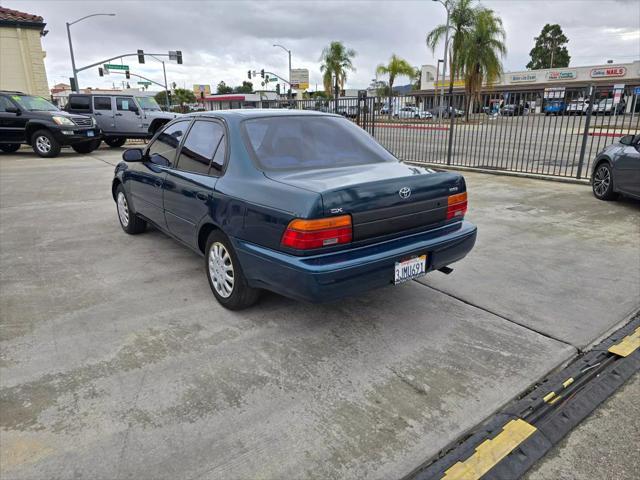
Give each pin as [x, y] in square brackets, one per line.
[201, 196]
[118, 114]
[96, 114]
[158, 183]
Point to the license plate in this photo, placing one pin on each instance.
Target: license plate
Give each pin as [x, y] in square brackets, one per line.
[410, 269]
[91, 133]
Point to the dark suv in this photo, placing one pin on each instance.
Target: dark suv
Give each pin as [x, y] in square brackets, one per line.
[35, 121]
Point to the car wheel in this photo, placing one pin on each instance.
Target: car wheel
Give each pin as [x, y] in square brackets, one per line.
[129, 221]
[86, 147]
[115, 142]
[9, 147]
[45, 144]
[225, 276]
[602, 182]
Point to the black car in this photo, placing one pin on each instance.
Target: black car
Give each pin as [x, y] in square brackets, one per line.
[34, 121]
[512, 110]
[617, 169]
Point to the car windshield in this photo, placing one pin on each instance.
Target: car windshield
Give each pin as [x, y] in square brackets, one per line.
[308, 142]
[148, 103]
[34, 104]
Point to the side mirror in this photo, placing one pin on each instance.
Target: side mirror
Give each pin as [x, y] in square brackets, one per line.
[13, 109]
[627, 140]
[133, 155]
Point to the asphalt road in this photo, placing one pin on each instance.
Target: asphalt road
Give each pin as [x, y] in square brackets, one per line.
[117, 362]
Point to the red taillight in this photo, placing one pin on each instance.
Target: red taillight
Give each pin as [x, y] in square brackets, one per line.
[323, 232]
[457, 205]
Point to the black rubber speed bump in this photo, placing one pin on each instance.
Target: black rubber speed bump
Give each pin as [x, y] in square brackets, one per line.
[510, 442]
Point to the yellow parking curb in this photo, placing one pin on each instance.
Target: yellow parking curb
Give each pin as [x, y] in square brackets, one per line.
[628, 345]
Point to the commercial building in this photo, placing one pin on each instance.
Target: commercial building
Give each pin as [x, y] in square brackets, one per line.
[21, 54]
[265, 99]
[570, 77]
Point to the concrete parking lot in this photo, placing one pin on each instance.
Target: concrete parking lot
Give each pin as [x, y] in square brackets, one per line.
[117, 362]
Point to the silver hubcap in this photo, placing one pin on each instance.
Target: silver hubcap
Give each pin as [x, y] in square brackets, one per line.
[43, 144]
[601, 181]
[123, 209]
[221, 270]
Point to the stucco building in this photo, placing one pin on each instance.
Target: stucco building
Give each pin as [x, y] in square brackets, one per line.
[21, 54]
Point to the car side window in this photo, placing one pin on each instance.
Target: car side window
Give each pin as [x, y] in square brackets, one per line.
[102, 103]
[80, 103]
[125, 104]
[5, 103]
[200, 147]
[166, 143]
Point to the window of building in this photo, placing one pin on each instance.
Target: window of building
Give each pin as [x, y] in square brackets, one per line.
[167, 142]
[200, 147]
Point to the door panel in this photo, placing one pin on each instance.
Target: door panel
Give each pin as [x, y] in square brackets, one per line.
[12, 125]
[627, 170]
[128, 116]
[145, 180]
[104, 111]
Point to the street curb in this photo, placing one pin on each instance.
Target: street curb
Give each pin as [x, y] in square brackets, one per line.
[505, 173]
[507, 444]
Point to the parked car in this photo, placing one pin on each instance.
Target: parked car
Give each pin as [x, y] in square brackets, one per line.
[32, 120]
[304, 204]
[412, 112]
[352, 111]
[578, 107]
[554, 107]
[447, 111]
[512, 110]
[606, 107]
[617, 169]
[121, 116]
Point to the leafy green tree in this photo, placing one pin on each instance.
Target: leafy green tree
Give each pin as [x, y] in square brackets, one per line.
[246, 87]
[397, 67]
[550, 49]
[336, 60]
[161, 98]
[182, 96]
[417, 79]
[481, 54]
[223, 88]
[461, 21]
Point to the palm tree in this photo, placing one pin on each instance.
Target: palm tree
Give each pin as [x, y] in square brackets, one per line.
[461, 21]
[481, 54]
[336, 60]
[396, 67]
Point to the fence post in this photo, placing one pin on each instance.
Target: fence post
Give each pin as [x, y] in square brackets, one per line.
[452, 119]
[585, 134]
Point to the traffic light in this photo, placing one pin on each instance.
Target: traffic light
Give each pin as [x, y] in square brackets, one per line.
[140, 56]
[126, 74]
[262, 73]
[278, 88]
[179, 56]
[74, 85]
[249, 74]
[100, 71]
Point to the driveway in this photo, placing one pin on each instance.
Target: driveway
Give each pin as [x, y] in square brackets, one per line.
[117, 362]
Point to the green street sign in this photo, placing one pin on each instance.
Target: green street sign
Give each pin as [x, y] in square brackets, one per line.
[113, 66]
[274, 79]
[144, 83]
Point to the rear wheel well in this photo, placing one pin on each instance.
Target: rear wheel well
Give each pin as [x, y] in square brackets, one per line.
[114, 187]
[33, 128]
[203, 235]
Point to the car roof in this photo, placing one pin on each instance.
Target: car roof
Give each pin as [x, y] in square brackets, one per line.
[12, 92]
[260, 113]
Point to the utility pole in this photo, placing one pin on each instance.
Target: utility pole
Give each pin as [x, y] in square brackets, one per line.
[446, 52]
[289, 52]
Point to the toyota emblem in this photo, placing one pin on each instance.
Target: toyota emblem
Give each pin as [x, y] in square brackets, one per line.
[404, 192]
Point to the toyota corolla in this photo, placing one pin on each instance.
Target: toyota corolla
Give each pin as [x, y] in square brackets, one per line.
[304, 204]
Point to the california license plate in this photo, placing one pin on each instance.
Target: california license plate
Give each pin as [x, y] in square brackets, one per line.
[410, 269]
[90, 133]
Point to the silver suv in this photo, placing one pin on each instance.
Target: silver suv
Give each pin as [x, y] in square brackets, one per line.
[121, 116]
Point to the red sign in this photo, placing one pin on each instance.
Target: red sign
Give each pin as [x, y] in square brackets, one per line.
[603, 72]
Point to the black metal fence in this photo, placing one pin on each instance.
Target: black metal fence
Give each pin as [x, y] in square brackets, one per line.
[557, 131]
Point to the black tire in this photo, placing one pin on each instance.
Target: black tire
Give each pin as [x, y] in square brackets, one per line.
[241, 294]
[115, 142]
[602, 182]
[130, 223]
[44, 144]
[9, 147]
[86, 147]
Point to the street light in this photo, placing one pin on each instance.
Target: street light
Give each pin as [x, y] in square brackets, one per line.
[446, 5]
[73, 61]
[289, 52]
[166, 90]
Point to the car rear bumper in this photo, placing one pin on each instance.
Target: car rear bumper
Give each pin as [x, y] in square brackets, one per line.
[332, 276]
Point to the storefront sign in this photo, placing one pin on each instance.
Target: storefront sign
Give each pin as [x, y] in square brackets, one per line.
[605, 72]
[456, 83]
[554, 92]
[524, 77]
[562, 75]
[300, 78]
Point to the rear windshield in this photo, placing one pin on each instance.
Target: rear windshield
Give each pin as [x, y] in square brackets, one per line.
[308, 142]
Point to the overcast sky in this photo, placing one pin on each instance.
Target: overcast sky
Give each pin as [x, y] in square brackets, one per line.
[221, 40]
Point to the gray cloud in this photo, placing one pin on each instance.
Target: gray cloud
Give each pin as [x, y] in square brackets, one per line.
[222, 40]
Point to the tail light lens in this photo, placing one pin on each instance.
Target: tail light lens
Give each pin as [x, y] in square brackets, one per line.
[457, 205]
[323, 232]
